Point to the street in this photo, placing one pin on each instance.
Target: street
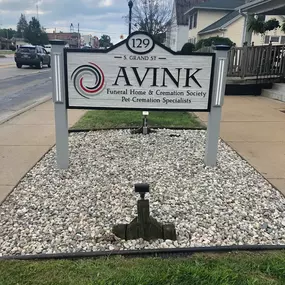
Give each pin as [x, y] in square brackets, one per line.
[21, 88]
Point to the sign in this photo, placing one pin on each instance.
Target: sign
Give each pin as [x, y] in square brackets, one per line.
[138, 73]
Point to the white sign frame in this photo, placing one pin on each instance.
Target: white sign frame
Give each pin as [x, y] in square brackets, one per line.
[136, 38]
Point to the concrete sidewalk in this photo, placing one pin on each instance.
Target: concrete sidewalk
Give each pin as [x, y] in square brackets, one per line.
[255, 128]
[24, 140]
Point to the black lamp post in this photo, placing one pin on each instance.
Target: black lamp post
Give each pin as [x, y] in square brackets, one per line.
[131, 4]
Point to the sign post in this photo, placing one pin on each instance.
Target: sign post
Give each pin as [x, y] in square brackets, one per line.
[215, 114]
[137, 74]
[60, 109]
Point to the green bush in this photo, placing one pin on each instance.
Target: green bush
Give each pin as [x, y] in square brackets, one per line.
[12, 48]
[213, 40]
[188, 48]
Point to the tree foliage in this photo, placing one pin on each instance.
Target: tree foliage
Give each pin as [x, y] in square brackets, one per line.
[105, 41]
[188, 48]
[35, 33]
[152, 16]
[7, 33]
[283, 27]
[213, 40]
[259, 26]
[22, 27]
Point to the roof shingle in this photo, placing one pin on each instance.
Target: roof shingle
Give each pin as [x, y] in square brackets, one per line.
[220, 23]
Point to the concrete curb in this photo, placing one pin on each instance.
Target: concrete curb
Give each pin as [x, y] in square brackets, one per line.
[17, 113]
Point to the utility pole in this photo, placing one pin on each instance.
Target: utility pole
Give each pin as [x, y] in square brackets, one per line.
[130, 4]
[37, 11]
[78, 37]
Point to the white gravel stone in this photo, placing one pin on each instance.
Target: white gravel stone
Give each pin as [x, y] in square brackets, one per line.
[53, 211]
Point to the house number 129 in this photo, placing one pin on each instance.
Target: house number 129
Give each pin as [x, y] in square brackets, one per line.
[140, 43]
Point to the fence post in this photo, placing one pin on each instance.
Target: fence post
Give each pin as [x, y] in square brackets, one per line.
[244, 61]
[60, 110]
[214, 118]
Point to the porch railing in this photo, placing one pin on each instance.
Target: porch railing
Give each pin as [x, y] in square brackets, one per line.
[255, 61]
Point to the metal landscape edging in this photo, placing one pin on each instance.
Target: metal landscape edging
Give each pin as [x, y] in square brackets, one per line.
[134, 128]
[160, 253]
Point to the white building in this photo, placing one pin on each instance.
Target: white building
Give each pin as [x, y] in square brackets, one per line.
[177, 35]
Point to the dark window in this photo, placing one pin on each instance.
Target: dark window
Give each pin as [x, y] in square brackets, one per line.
[267, 39]
[275, 39]
[282, 40]
[191, 22]
[195, 20]
[26, 49]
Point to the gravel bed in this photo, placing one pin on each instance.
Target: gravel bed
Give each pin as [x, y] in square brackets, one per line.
[54, 211]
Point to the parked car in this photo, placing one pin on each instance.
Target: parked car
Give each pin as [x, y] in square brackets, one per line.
[32, 56]
[86, 47]
[48, 48]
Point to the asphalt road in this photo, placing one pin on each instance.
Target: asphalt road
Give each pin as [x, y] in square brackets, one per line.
[21, 88]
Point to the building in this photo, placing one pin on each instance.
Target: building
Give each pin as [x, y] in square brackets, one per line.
[72, 39]
[19, 41]
[212, 18]
[177, 35]
[270, 8]
[94, 43]
[230, 23]
[5, 43]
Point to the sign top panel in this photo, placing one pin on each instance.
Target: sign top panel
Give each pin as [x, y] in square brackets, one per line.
[138, 73]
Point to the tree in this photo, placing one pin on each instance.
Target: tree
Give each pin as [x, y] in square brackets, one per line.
[7, 33]
[22, 27]
[152, 16]
[259, 26]
[35, 33]
[105, 41]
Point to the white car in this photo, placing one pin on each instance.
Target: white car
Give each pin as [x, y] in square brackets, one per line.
[48, 48]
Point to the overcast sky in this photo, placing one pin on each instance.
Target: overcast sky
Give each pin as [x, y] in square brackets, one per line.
[95, 16]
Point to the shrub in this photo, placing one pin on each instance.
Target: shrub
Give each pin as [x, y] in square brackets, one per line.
[12, 47]
[187, 48]
[213, 40]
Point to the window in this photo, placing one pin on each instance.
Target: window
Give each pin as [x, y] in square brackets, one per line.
[282, 40]
[195, 20]
[275, 39]
[267, 40]
[26, 49]
[191, 22]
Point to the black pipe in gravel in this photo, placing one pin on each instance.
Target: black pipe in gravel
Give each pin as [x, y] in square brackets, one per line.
[162, 253]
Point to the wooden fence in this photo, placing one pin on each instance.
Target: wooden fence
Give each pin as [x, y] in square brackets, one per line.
[255, 61]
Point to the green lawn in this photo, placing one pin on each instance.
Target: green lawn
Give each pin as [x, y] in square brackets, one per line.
[122, 119]
[226, 269]
[6, 52]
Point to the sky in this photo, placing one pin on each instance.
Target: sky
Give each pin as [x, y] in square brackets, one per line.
[95, 17]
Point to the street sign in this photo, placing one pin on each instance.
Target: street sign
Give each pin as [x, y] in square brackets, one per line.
[138, 74]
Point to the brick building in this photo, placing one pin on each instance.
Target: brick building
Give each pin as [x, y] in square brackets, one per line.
[72, 39]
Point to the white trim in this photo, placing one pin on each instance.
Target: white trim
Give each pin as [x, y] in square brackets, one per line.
[57, 77]
[219, 90]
